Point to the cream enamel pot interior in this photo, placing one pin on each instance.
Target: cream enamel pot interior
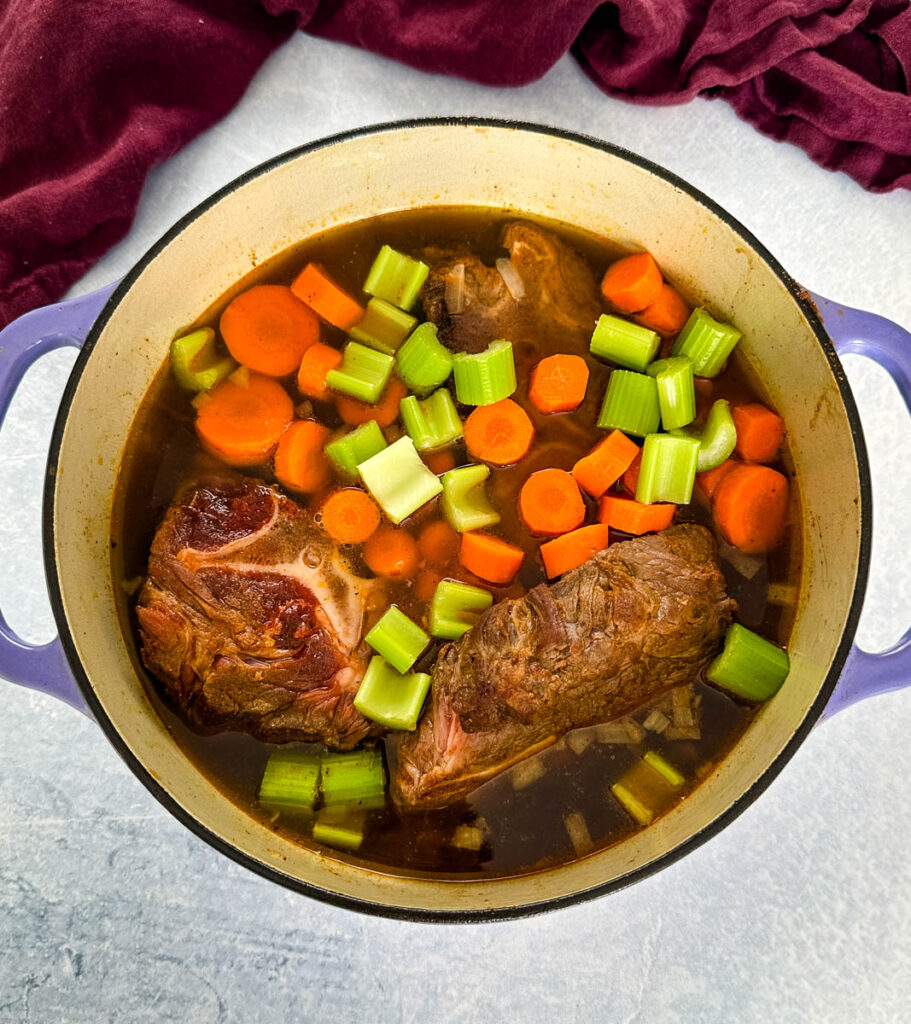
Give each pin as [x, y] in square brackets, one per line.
[357, 175]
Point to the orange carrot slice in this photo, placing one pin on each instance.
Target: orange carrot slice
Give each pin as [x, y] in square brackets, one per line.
[300, 462]
[709, 480]
[490, 558]
[558, 383]
[354, 413]
[550, 503]
[438, 542]
[605, 463]
[268, 330]
[632, 283]
[392, 553]
[317, 361]
[350, 516]
[751, 508]
[759, 432]
[242, 425]
[500, 434]
[572, 549]
[632, 516]
[667, 314]
[326, 299]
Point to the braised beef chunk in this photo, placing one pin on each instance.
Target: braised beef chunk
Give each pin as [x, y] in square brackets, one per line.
[249, 620]
[635, 620]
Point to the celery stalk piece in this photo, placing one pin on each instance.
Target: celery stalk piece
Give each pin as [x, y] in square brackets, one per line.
[390, 698]
[433, 422]
[290, 781]
[195, 362]
[456, 607]
[706, 342]
[399, 480]
[423, 361]
[668, 469]
[630, 404]
[342, 830]
[749, 666]
[382, 326]
[676, 392]
[624, 343]
[354, 779]
[398, 639]
[363, 372]
[632, 805]
[465, 502]
[664, 768]
[718, 438]
[355, 447]
[396, 278]
[483, 378]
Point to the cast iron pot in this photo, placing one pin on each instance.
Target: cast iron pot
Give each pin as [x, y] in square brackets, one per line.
[790, 340]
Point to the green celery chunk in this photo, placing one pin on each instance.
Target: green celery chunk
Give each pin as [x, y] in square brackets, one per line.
[432, 422]
[676, 392]
[483, 378]
[717, 439]
[749, 666]
[355, 447]
[195, 362]
[363, 372]
[624, 343]
[423, 361]
[632, 804]
[341, 830]
[398, 639]
[707, 342]
[668, 469]
[399, 480]
[290, 781]
[390, 698]
[664, 768]
[396, 278]
[382, 326]
[465, 502]
[630, 404]
[456, 607]
[355, 779]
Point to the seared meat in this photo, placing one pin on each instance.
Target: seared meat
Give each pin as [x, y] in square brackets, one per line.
[249, 620]
[633, 621]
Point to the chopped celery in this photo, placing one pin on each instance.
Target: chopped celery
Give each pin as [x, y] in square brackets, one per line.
[363, 372]
[668, 469]
[676, 393]
[624, 343]
[382, 326]
[432, 422]
[749, 666]
[718, 437]
[456, 607]
[355, 447]
[399, 480]
[424, 362]
[195, 362]
[706, 342]
[390, 698]
[465, 502]
[398, 639]
[290, 781]
[341, 830]
[395, 277]
[632, 804]
[485, 377]
[664, 768]
[355, 779]
[630, 404]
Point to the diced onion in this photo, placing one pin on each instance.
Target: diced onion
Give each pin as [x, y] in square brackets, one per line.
[745, 565]
[578, 833]
[682, 732]
[656, 721]
[683, 707]
[527, 772]
[579, 741]
[455, 289]
[468, 837]
[635, 731]
[511, 278]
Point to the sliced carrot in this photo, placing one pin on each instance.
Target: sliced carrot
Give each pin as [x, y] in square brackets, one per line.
[426, 584]
[631, 477]
[632, 282]
[439, 462]
[751, 507]
[500, 434]
[490, 558]
[759, 432]
[558, 383]
[350, 515]
[572, 549]
[667, 314]
[632, 516]
[318, 360]
[550, 503]
[325, 298]
[709, 480]
[605, 463]
[384, 412]
[268, 329]
[438, 542]
[243, 424]
[392, 553]
[300, 462]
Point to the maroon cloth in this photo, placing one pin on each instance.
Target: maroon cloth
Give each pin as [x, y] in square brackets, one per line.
[93, 93]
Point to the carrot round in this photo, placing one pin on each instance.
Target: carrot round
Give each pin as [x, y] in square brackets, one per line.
[490, 558]
[632, 516]
[350, 515]
[438, 542]
[300, 462]
[605, 463]
[558, 383]
[572, 549]
[439, 462]
[268, 329]
[751, 508]
[550, 503]
[632, 283]
[317, 361]
[354, 413]
[242, 425]
[759, 432]
[325, 298]
[500, 434]
[709, 480]
[667, 314]
[631, 477]
[426, 584]
[392, 553]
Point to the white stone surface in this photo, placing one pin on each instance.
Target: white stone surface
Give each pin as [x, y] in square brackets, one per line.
[800, 910]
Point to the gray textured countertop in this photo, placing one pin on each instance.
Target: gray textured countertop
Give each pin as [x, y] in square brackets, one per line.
[800, 910]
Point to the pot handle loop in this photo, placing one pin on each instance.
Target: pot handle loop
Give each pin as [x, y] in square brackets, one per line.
[855, 332]
[42, 666]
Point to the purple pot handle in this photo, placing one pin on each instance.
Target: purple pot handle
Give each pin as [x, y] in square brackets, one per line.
[866, 334]
[42, 667]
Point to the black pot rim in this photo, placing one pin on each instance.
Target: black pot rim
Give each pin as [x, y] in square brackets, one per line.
[799, 295]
